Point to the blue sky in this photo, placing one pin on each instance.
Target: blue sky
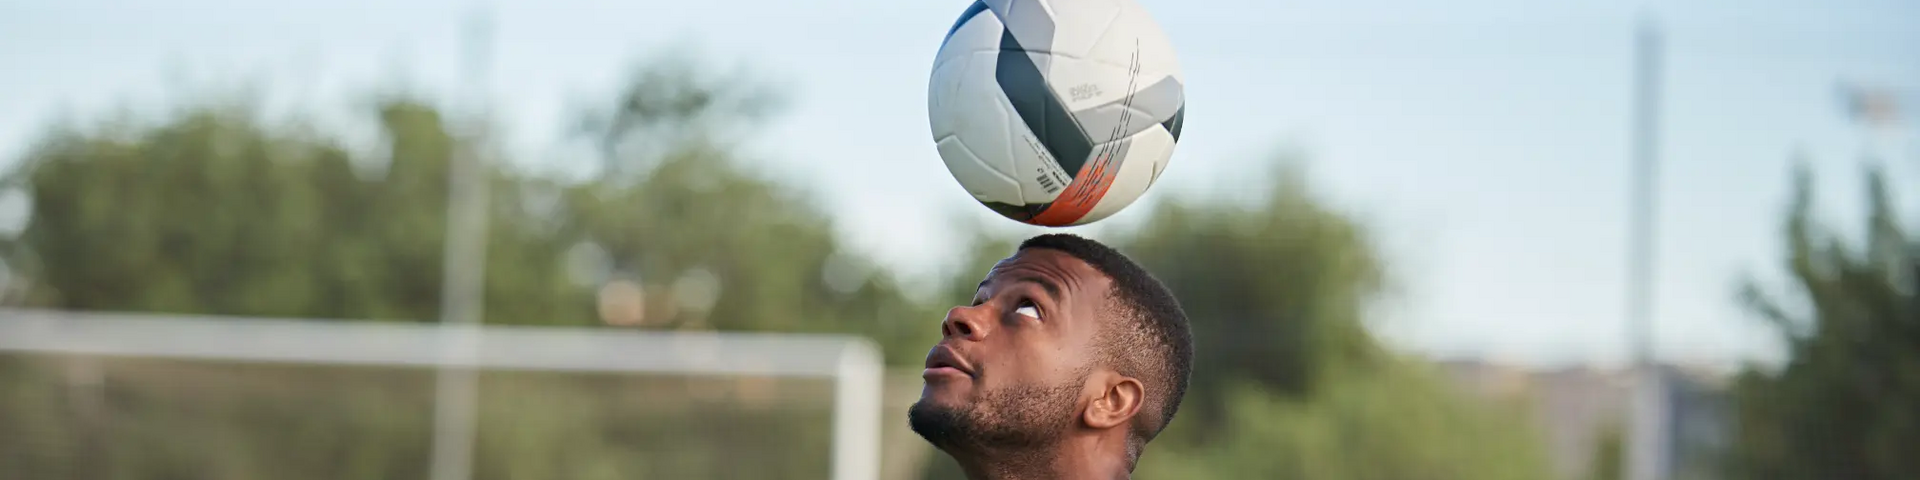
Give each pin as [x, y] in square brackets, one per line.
[1485, 141]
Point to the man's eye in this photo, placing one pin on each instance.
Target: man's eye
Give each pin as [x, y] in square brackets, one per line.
[1028, 310]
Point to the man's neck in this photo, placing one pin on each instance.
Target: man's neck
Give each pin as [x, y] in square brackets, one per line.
[1070, 461]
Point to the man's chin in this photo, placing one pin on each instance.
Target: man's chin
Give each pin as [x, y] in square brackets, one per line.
[941, 423]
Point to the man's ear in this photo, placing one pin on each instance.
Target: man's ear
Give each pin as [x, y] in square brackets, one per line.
[1119, 399]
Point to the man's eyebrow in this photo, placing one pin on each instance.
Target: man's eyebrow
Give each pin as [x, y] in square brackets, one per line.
[1047, 284]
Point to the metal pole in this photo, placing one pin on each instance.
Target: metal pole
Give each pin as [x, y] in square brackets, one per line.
[859, 399]
[1646, 450]
[1645, 192]
[462, 299]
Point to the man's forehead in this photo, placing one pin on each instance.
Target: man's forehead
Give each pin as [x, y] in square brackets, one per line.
[1045, 266]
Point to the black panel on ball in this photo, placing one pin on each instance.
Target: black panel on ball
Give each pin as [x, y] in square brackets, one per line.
[1173, 124]
[1026, 87]
[1017, 212]
[975, 9]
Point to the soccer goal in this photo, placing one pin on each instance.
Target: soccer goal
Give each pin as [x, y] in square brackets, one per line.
[94, 395]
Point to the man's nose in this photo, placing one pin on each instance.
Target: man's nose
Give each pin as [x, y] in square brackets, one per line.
[966, 323]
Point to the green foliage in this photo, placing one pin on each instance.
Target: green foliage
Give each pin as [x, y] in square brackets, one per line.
[1288, 382]
[165, 420]
[1844, 405]
[217, 211]
[1609, 455]
[90, 418]
[1275, 289]
[1395, 423]
[188, 216]
[684, 208]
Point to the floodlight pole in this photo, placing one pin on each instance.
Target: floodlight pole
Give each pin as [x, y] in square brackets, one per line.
[462, 297]
[1646, 411]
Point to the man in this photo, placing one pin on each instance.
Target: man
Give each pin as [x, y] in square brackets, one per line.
[1069, 359]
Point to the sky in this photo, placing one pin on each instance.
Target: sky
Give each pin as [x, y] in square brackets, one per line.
[1485, 142]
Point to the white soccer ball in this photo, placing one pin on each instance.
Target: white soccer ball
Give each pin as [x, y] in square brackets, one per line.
[1056, 112]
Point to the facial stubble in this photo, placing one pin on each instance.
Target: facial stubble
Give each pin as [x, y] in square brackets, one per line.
[1019, 419]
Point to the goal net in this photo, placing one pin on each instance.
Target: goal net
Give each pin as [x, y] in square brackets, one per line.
[138, 397]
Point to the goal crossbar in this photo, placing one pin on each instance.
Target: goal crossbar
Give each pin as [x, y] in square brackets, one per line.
[852, 363]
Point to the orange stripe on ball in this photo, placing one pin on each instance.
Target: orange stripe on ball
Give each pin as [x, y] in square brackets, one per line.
[1089, 186]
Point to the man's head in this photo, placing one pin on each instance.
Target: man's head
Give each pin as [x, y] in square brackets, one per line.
[1065, 338]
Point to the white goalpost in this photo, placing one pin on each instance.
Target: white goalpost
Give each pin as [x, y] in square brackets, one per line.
[852, 363]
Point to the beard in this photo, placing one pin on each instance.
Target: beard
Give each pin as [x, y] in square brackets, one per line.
[1017, 419]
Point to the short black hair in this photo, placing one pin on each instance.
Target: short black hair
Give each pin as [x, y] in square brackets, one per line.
[1153, 343]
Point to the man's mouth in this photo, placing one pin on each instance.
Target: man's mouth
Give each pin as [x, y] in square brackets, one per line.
[943, 362]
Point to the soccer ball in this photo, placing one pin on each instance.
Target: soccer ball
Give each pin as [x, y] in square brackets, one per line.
[1056, 112]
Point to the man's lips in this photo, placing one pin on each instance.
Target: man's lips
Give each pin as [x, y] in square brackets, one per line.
[943, 372]
[943, 361]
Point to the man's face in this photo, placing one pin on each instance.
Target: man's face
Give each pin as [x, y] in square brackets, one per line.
[1011, 366]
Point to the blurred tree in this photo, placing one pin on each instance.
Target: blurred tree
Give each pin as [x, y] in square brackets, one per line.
[717, 244]
[216, 211]
[1288, 382]
[1399, 421]
[668, 102]
[210, 213]
[1847, 402]
[1276, 290]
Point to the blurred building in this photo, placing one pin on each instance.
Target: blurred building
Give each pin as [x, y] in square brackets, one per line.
[1698, 413]
[1577, 407]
